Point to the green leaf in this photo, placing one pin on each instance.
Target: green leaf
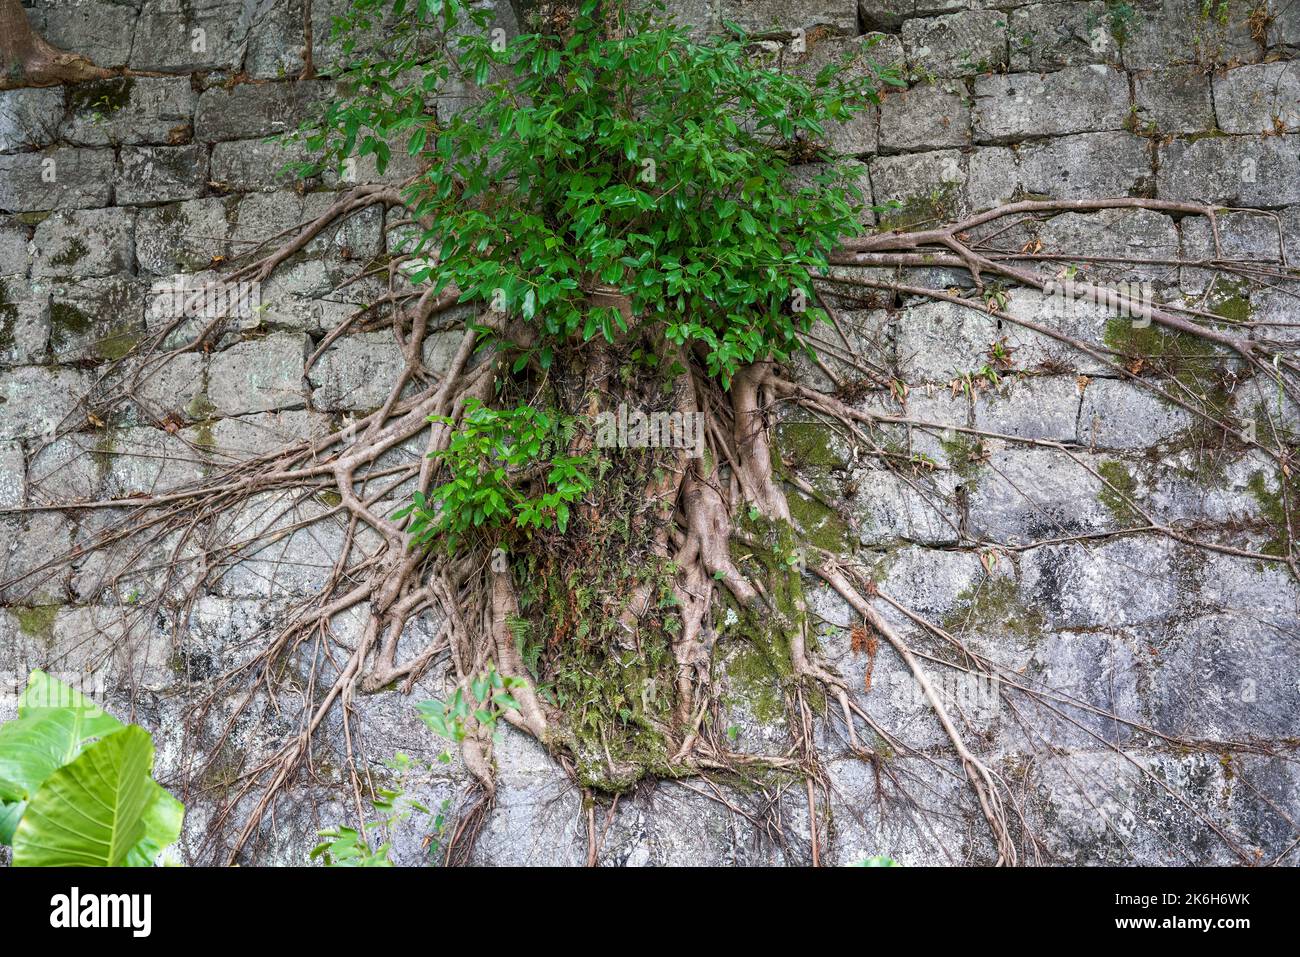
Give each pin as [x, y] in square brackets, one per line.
[10, 814]
[163, 817]
[90, 812]
[44, 693]
[33, 748]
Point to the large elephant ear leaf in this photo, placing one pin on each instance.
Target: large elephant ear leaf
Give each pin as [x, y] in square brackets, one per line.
[45, 694]
[162, 827]
[90, 813]
[10, 815]
[34, 747]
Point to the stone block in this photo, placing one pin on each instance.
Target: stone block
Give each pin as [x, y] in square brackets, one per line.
[259, 375]
[257, 109]
[1232, 170]
[161, 174]
[1120, 415]
[1024, 495]
[1259, 98]
[85, 243]
[131, 110]
[29, 118]
[925, 117]
[95, 318]
[184, 237]
[59, 178]
[956, 44]
[35, 400]
[100, 31]
[1173, 99]
[1049, 36]
[1081, 166]
[1045, 407]
[1012, 107]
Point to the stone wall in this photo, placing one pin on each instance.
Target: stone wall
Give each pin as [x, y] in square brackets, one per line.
[107, 188]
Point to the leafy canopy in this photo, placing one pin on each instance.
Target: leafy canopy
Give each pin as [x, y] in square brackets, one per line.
[637, 160]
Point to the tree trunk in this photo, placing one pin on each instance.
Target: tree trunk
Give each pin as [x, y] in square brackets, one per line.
[26, 59]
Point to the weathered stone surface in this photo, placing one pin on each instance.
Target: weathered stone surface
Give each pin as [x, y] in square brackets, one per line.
[1108, 807]
[1229, 676]
[1123, 583]
[1234, 170]
[1048, 36]
[35, 400]
[85, 243]
[256, 109]
[95, 318]
[1171, 31]
[60, 178]
[926, 186]
[13, 486]
[184, 237]
[1121, 415]
[1190, 488]
[132, 110]
[1011, 107]
[889, 15]
[254, 164]
[1071, 167]
[1087, 673]
[262, 216]
[24, 321]
[28, 546]
[355, 372]
[757, 16]
[1025, 494]
[868, 824]
[98, 30]
[187, 35]
[275, 47]
[956, 44]
[938, 341]
[29, 118]
[259, 375]
[1242, 235]
[272, 565]
[1038, 408]
[1175, 99]
[1259, 98]
[887, 507]
[1131, 234]
[926, 117]
[161, 174]
[14, 252]
[175, 389]
[235, 439]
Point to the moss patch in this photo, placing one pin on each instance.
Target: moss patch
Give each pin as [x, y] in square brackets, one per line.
[938, 205]
[37, 622]
[1117, 494]
[808, 444]
[1273, 507]
[994, 605]
[75, 252]
[101, 96]
[820, 525]
[1200, 368]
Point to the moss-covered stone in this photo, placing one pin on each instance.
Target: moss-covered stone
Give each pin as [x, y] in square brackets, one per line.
[37, 622]
[1120, 490]
[101, 96]
[993, 605]
[808, 444]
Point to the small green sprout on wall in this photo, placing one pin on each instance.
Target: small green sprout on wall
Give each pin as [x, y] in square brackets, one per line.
[76, 785]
